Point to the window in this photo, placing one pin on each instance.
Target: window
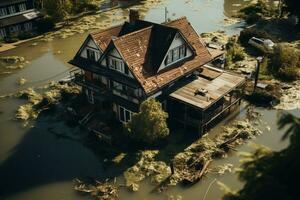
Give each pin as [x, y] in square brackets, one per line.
[2, 33]
[14, 29]
[124, 114]
[28, 26]
[126, 89]
[22, 7]
[90, 96]
[176, 54]
[116, 64]
[12, 9]
[91, 55]
[100, 78]
[3, 12]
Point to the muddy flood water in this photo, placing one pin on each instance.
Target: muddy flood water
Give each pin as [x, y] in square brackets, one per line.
[36, 163]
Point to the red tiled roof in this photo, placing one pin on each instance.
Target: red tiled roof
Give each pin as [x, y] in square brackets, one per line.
[135, 49]
[104, 37]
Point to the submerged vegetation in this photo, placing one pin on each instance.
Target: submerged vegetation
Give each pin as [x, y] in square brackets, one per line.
[39, 101]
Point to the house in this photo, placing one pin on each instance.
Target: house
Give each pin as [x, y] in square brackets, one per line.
[16, 17]
[124, 65]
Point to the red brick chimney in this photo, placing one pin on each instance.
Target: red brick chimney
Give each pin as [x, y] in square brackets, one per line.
[133, 15]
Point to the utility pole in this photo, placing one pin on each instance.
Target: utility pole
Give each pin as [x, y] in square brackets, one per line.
[166, 14]
[259, 61]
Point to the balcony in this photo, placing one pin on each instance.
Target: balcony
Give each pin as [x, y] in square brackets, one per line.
[94, 85]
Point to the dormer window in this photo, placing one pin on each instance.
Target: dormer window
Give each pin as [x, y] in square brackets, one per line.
[116, 64]
[91, 54]
[176, 54]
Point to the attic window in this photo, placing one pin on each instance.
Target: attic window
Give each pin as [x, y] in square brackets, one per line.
[176, 54]
[91, 55]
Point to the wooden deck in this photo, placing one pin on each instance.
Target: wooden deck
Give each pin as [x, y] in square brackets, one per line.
[217, 86]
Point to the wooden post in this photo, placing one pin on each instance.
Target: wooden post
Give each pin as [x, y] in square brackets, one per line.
[172, 166]
[185, 115]
[259, 60]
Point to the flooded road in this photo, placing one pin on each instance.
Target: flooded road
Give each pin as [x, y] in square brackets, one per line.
[37, 164]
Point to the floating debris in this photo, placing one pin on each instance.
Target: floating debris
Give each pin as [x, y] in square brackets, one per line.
[158, 171]
[37, 102]
[99, 190]
[21, 81]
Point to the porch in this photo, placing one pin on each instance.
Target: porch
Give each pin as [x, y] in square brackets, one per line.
[212, 95]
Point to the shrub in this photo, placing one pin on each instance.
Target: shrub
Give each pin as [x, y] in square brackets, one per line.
[46, 24]
[149, 124]
[255, 12]
[234, 53]
[11, 39]
[84, 5]
[57, 9]
[25, 35]
[285, 62]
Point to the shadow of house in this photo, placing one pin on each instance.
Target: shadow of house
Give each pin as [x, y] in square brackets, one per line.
[51, 152]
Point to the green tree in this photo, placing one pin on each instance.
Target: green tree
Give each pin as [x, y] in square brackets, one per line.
[57, 9]
[270, 175]
[285, 62]
[150, 123]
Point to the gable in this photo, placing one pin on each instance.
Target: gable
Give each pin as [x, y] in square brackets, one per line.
[112, 53]
[89, 44]
[176, 43]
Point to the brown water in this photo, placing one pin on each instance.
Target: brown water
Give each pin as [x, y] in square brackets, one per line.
[36, 164]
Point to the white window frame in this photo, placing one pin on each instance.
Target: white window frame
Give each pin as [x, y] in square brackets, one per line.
[124, 114]
[116, 64]
[88, 53]
[28, 26]
[90, 96]
[2, 33]
[12, 9]
[22, 7]
[14, 29]
[176, 54]
[3, 12]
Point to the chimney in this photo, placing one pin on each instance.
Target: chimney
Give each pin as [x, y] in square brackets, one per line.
[133, 15]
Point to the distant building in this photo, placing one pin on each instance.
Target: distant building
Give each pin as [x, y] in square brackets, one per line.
[126, 64]
[17, 16]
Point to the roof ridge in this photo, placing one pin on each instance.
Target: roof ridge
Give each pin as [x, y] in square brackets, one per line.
[132, 33]
[180, 18]
[101, 31]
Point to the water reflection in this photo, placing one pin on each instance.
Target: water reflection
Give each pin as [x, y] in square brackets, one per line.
[36, 164]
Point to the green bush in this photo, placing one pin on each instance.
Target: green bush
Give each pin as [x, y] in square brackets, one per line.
[25, 35]
[234, 53]
[285, 62]
[11, 39]
[84, 5]
[255, 12]
[149, 124]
